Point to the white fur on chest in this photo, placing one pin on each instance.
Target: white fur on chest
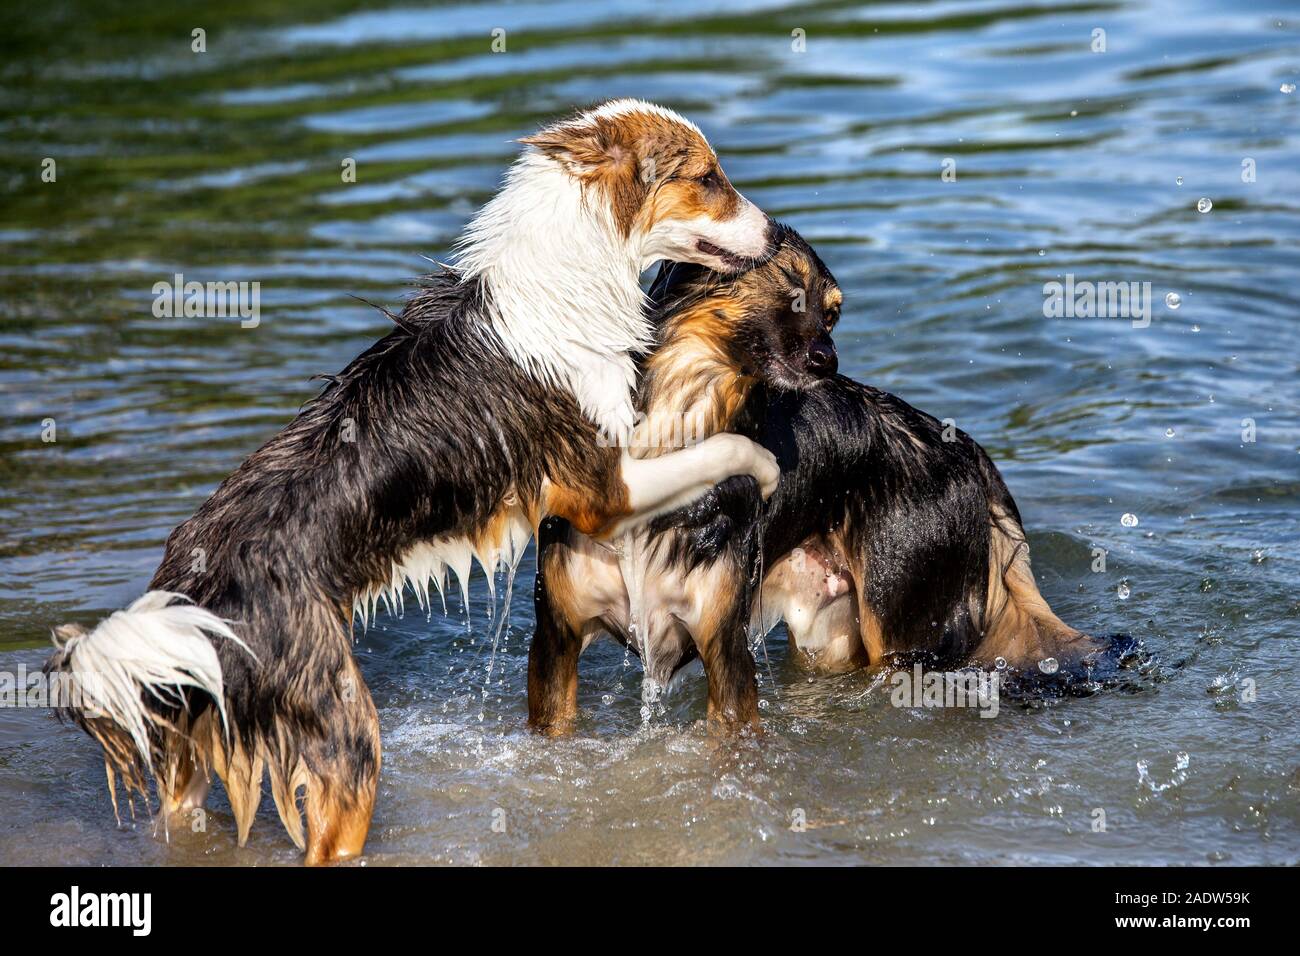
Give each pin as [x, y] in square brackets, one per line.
[563, 287]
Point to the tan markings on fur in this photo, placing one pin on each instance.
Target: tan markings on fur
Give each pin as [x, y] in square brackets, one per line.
[685, 198]
[556, 699]
[707, 617]
[284, 791]
[337, 821]
[695, 383]
[870, 630]
[1019, 624]
[241, 775]
[697, 377]
[120, 760]
[647, 166]
[589, 514]
[491, 541]
[833, 300]
[733, 698]
[187, 763]
[553, 669]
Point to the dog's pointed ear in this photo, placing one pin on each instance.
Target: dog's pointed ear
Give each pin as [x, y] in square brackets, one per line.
[578, 148]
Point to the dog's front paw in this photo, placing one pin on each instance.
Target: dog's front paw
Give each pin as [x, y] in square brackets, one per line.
[741, 456]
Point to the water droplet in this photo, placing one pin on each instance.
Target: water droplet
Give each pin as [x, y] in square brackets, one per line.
[1049, 665]
[1197, 328]
[763, 705]
[1000, 663]
[1169, 433]
[1184, 761]
[1287, 87]
[1173, 300]
[607, 699]
[1179, 180]
[1122, 592]
[1204, 205]
[1129, 520]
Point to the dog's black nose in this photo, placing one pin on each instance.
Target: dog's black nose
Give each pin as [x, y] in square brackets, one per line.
[822, 360]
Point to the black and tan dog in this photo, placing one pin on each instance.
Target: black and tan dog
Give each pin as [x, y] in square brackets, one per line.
[888, 535]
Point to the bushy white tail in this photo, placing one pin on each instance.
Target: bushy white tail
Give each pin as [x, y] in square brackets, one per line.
[158, 645]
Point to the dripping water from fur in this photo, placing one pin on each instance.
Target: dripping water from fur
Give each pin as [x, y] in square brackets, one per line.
[632, 562]
[511, 569]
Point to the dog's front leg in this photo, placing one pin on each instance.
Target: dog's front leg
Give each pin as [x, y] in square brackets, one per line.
[659, 485]
[619, 492]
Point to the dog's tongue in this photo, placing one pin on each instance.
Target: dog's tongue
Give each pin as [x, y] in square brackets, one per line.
[709, 249]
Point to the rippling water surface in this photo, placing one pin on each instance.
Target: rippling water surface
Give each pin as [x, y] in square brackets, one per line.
[226, 165]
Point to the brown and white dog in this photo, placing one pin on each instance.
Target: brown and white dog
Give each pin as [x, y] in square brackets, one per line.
[886, 537]
[444, 443]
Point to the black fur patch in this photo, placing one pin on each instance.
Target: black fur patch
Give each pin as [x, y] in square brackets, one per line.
[419, 437]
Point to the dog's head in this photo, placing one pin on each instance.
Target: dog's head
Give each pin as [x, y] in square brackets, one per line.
[662, 183]
[773, 321]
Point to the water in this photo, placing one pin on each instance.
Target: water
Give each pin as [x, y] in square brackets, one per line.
[227, 165]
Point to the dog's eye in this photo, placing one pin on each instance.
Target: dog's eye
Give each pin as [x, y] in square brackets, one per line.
[710, 180]
[832, 317]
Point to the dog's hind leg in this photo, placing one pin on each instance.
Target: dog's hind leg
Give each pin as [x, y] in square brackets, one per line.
[340, 769]
[557, 642]
[1020, 626]
[338, 766]
[184, 781]
[241, 774]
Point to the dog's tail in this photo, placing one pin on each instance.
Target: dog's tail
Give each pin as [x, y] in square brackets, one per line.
[140, 674]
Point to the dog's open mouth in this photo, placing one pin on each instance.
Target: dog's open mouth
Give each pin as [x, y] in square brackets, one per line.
[729, 259]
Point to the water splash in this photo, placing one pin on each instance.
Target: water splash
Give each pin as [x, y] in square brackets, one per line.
[504, 616]
[755, 640]
[632, 563]
[1182, 762]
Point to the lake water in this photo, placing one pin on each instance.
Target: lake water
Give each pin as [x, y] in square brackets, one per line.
[226, 165]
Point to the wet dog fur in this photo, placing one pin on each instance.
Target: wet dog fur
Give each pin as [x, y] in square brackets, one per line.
[890, 538]
[486, 408]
